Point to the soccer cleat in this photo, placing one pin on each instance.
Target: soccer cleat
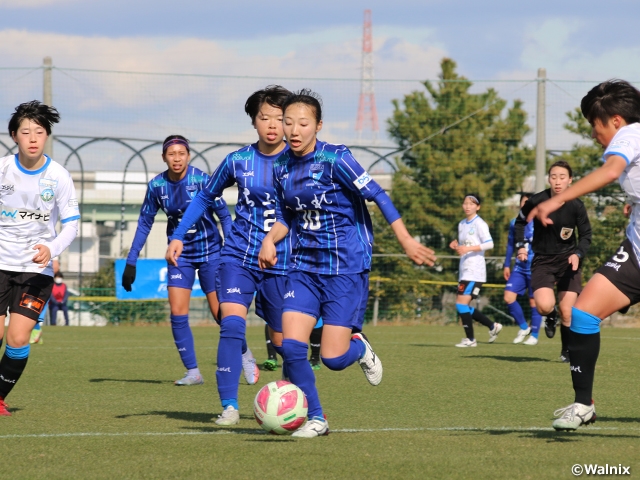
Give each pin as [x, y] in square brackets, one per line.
[574, 415]
[189, 380]
[315, 427]
[270, 364]
[249, 368]
[36, 336]
[564, 356]
[4, 409]
[315, 364]
[494, 332]
[370, 363]
[522, 334]
[230, 416]
[530, 341]
[550, 323]
[465, 342]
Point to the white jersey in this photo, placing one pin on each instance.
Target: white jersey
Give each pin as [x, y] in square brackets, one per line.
[626, 144]
[31, 203]
[471, 233]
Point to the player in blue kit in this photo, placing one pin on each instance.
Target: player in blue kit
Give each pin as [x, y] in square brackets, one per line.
[251, 169]
[172, 191]
[320, 195]
[519, 283]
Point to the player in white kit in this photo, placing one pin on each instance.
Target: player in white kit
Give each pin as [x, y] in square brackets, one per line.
[35, 192]
[473, 240]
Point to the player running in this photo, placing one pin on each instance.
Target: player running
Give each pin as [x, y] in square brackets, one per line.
[172, 191]
[251, 169]
[35, 192]
[519, 283]
[473, 240]
[557, 253]
[320, 195]
[613, 110]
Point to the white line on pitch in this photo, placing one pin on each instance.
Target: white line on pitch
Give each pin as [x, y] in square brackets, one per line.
[344, 430]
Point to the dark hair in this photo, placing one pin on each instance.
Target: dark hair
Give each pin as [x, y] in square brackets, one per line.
[307, 97]
[613, 97]
[37, 112]
[58, 274]
[563, 164]
[274, 95]
[526, 195]
[175, 140]
[474, 196]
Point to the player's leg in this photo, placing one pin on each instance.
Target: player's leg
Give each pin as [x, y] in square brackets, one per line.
[314, 343]
[516, 286]
[566, 301]
[463, 299]
[36, 333]
[269, 299]
[494, 327]
[536, 322]
[179, 298]
[53, 314]
[271, 363]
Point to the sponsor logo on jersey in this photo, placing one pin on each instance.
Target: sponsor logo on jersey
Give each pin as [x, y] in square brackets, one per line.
[613, 265]
[176, 276]
[284, 176]
[622, 143]
[325, 157]
[195, 179]
[32, 303]
[233, 290]
[290, 294]
[362, 180]
[164, 197]
[192, 190]
[158, 183]
[566, 233]
[248, 174]
[24, 214]
[47, 183]
[241, 156]
[7, 189]
[47, 194]
[73, 202]
[315, 171]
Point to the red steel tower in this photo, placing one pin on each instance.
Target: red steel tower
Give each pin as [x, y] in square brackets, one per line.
[367, 114]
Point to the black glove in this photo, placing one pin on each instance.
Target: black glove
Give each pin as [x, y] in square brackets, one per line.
[128, 277]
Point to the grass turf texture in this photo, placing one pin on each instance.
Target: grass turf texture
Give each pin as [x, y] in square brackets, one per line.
[100, 403]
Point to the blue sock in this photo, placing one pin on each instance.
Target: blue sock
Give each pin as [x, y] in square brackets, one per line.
[184, 340]
[515, 310]
[536, 321]
[230, 401]
[38, 326]
[356, 351]
[232, 333]
[301, 374]
[244, 346]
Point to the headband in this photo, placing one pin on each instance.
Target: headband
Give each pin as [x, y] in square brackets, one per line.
[175, 141]
[473, 198]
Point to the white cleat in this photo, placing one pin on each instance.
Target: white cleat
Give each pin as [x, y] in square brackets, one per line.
[188, 380]
[315, 427]
[370, 363]
[574, 415]
[522, 334]
[493, 333]
[531, 341]
[250, 368]
[230, 416]
[465, 342]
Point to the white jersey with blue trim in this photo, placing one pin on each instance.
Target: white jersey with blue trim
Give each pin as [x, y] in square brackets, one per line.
[470, 234]
[31, 203]
[626, 144]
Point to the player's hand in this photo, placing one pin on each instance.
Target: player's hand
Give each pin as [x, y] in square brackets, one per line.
[543, 210]
[174, 250]
[43, 256]
[574, 261]
[128, 277]
[417, 252]
[506, 273]
[462, 250]
[453, 245]
[267, 257]
[626, 210]
[523, 254]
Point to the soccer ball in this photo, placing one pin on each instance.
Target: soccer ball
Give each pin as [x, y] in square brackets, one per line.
[280, 407]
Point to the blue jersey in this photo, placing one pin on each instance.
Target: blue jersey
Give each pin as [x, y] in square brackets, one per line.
[524, 267]
[321, 198]
[252, 171]
[202, 241]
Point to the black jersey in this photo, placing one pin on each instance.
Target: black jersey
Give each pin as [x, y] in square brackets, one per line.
[558, 238]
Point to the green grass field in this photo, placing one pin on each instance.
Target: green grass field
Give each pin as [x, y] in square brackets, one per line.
[99, 403]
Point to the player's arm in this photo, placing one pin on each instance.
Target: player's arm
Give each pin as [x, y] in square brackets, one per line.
[511, 240]
[519, 227]
[584, 232]
[222, 212]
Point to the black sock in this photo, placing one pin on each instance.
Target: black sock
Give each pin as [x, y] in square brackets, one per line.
[564, 337]
[1, 342]
[481, 318]
[467, 323]
[271, 352]
[10, 371]
[583, 352]
[314, 341]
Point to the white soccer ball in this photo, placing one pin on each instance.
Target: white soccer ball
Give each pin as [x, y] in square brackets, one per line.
[280, 407]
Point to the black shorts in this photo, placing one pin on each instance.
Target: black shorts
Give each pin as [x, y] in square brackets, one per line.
[623, 271]
[25, 293]
[548, 271]
[469, 287]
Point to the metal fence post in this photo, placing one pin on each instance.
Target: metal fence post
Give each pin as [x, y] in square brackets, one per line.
[376, 301]
[47, 98]
[541, 147]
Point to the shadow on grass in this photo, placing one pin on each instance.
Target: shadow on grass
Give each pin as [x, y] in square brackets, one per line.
[243, 431]
[509, 358]
[128, 380]
[619, 419]
[431, 345]
[560, 437]
[196, 417]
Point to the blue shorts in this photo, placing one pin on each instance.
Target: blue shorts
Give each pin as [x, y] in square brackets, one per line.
[238, 284]
[519, 283]
[184, 275]
[340, 300]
